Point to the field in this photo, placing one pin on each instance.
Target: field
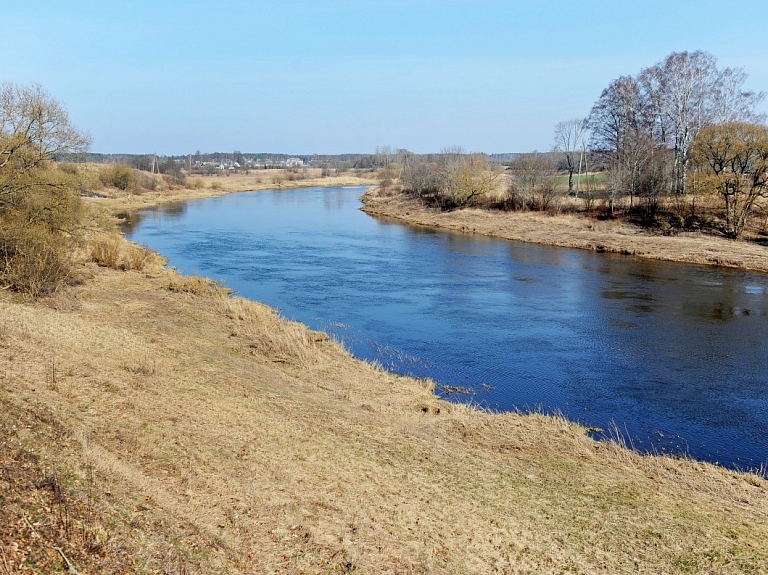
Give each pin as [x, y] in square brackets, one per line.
[117, 200]
[151, 423]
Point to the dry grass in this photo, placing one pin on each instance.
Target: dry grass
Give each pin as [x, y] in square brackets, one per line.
[152, 190]
[114, 252]
[266, 335]
[203, 434]
[577, 231]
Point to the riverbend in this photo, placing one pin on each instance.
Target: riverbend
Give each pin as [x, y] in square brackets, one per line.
[671, 357]
[180, 429]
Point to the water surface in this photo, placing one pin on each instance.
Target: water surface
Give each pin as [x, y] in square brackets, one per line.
[672, 355]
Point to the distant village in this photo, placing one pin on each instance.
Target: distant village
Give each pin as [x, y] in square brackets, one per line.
[231, 165]
[219, 163]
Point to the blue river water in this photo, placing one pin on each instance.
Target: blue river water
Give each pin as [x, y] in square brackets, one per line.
[673, 357]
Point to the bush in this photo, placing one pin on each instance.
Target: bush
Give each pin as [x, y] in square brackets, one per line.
[35, 259]
[514, 200]
[69, 168]
[146, 181]
[106, 252]
[40, 209]
[117, 253]
[119, 176]
[542, 197]
[277, 179]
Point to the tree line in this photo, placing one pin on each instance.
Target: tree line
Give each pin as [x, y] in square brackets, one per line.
[677, 131]
[657, 131]
[680, 131]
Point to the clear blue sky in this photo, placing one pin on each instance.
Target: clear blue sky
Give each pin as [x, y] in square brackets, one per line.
[334, 76]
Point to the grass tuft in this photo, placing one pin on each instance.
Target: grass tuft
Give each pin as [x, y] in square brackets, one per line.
[113, 251]
[268, 335]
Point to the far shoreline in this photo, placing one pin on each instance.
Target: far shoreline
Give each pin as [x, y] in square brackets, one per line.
[120, 202]
[562, 230]
[570, 231]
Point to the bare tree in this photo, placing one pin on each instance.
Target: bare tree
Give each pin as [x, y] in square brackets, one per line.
[730, 103]
[569, 136]
[688, 81]
[383, 156]
[450, 158]
[470, 178]
[734, 159]
[39, 205]
[34, 129]
[533, 181]
[622, 125]
[693, 94]
[452, 179]
[424, 180]
[664, 108]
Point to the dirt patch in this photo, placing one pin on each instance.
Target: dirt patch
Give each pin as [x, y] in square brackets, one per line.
[46, 526]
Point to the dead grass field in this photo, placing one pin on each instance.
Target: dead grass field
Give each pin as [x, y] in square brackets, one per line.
[574, 231]
[116, 200]
[153, 424]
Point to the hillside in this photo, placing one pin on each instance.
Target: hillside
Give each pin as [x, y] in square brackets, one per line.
[153, 424]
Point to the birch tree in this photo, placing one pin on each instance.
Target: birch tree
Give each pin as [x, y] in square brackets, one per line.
[622, 126]
[666, 106]
[688, 83]
[688, 93]
[569, 136]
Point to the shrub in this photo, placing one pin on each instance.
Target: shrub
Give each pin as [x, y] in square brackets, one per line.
[40, 209]
[35, 259]
[117, 253]
[146, 181]
[277, 179]
[69, 168]
[106, 252]
[514, 200]
[542, 196]
[119, 176]
[136, 257]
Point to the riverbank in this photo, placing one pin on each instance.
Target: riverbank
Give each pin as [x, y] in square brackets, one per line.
[153, 424]
[116, 201]
[576, 232]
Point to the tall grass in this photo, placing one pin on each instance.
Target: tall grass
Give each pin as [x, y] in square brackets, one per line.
[268, 335]
[114, 252]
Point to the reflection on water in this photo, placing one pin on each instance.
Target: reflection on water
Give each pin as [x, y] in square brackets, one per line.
[673, 354]
[131, 220]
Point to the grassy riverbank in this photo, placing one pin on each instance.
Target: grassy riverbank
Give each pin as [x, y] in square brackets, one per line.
[117, 200]
[578, 231]
[152, 424]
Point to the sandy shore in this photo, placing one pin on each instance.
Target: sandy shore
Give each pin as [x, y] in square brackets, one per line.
[577, 232]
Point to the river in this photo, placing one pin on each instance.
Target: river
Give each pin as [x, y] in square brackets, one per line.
[673, 357]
